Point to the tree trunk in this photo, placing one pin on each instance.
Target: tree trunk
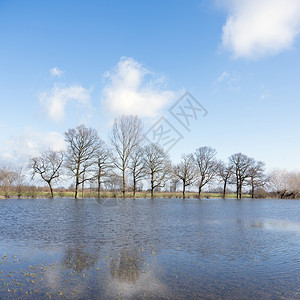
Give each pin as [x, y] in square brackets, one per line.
[224, 189]
[82, 190]
[124, 183]
[200, 187]
[152, 186]
[77, 181]
[240, 190]
[199, 191]
[183, 190]
[99, 184]
[152, 193]
[252, 188]
[99, 191]
[237, 188]
[51, 190]
[76, 187]
[134, 187]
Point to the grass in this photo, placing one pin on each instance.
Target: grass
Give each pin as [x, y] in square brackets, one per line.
[144, 194]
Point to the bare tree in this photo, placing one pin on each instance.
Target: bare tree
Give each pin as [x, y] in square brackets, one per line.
[241, 168]
[126, 137]
[83, 144]
[103, 164]
[257, 178]
[157, 166]
[137, 168]
[114, 182]
[19, 181]
[7, 179]
[279, 180]
[284, 183]
[174, 181]
[186, 171]
[207, 166]
[225, 173]
[294, 184]
[47, 166]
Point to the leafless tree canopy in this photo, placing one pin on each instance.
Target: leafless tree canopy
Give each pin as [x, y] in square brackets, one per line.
[285, 184]
[103, 165]
[47, 166]
[224, 172]
[157, 166]
[127, 159]
[186, 171]
[207, 166]
[7, 179]
[257, 178]
[241, 165]
[83, 144]
[137, 167]
[126, 137]
[11, 178]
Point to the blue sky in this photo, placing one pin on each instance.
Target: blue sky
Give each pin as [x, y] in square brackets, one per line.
[63, 63]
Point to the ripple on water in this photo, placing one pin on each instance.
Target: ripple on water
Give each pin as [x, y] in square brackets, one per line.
[129, 249]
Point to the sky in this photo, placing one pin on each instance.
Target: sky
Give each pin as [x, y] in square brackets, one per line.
[64, 63]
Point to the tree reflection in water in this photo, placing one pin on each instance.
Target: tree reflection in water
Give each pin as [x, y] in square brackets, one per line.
[79, 260]
[126, 267]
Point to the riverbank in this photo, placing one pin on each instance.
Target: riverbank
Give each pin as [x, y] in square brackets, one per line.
[117, 195]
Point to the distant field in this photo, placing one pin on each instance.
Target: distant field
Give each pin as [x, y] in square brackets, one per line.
[88, 194]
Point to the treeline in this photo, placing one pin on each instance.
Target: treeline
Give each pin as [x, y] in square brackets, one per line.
[127, 161]
[285, 184]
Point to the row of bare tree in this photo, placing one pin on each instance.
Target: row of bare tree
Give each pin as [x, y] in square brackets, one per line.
[202, 168]
[12, 180]
[90, 161]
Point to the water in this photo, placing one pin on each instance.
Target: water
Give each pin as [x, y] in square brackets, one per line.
[157, 249]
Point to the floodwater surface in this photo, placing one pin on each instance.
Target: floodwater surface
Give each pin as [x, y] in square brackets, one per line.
[157, 249]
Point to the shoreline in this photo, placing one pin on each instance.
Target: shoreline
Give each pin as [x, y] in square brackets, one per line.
[106, 197]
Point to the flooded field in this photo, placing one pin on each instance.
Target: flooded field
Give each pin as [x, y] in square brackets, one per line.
[159, 249]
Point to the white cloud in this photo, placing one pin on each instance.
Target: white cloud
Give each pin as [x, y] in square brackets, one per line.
[229, 81]
[132, 89]
[259, 27]
[146, 283]
[223, 76]
[55, 101]
[56, 72]
[18, 148]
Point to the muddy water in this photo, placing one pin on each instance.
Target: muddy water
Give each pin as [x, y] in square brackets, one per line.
[159, 249]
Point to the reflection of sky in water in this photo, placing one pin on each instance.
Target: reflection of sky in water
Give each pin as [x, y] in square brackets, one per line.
[162, 248]
[280, 225]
